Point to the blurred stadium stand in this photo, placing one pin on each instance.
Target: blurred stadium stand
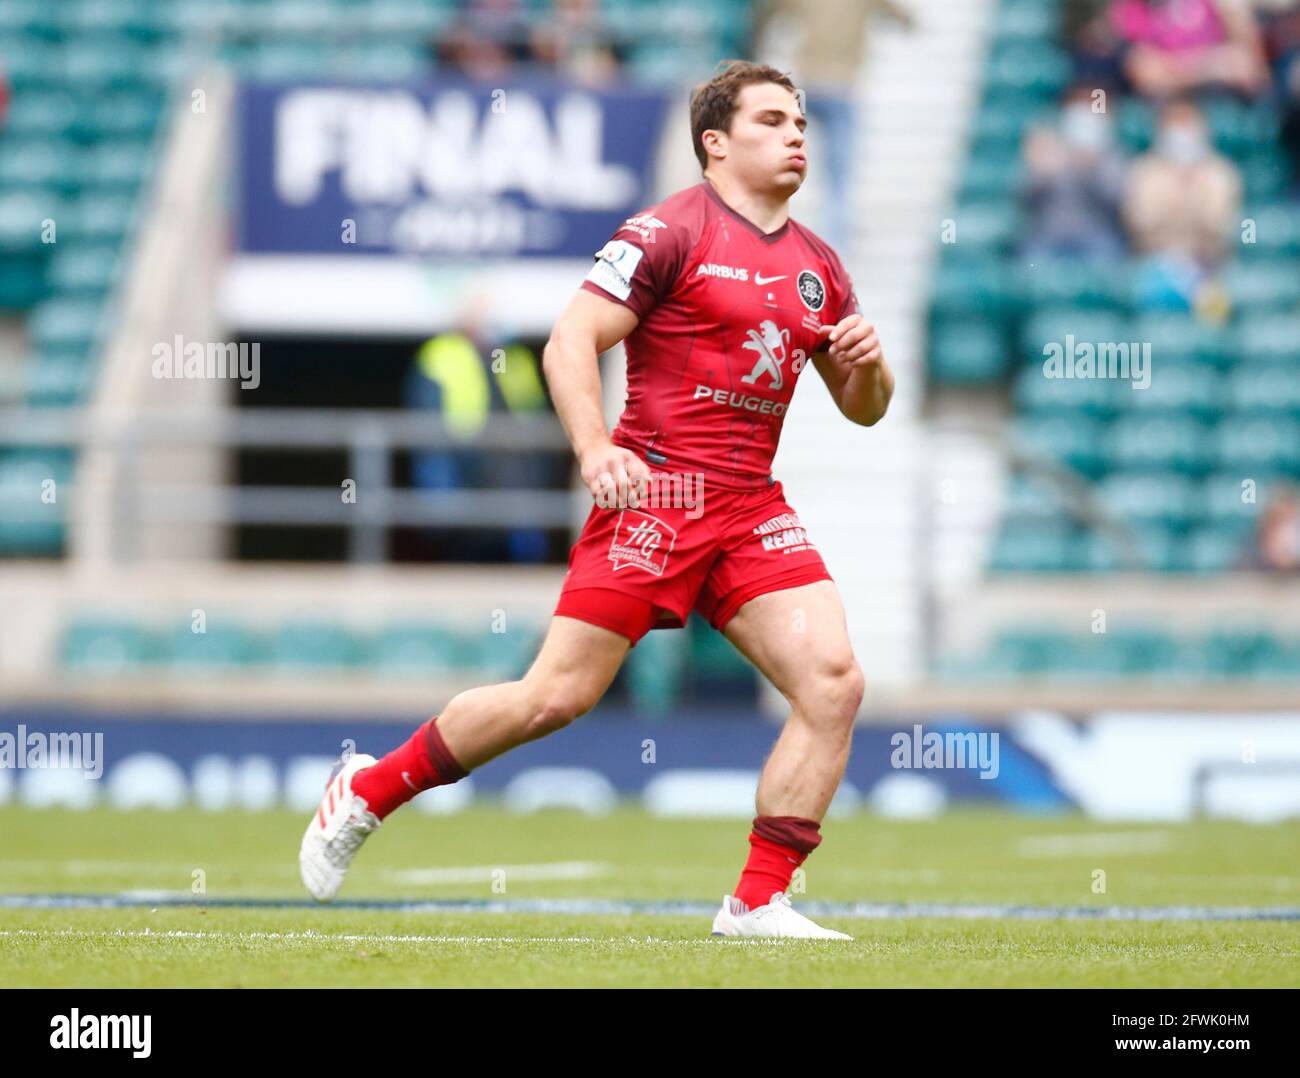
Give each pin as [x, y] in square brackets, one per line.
[990, 516]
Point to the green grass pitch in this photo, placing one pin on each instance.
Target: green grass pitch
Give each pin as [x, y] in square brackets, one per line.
[964, 857]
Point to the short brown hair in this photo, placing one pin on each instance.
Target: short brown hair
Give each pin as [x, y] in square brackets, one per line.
[713, 103]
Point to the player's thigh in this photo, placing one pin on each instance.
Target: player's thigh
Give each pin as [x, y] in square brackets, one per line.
[799, 639]
[578, 660]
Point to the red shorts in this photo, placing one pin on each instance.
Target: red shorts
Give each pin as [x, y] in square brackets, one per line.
[633, 570]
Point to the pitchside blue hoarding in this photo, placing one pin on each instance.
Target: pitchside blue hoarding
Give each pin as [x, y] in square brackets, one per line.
[450, 168]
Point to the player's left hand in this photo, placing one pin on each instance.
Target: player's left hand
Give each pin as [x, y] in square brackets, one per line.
[853, 342]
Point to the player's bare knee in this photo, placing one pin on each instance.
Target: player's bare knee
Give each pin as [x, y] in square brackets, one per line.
[832, 693]
[556, 708]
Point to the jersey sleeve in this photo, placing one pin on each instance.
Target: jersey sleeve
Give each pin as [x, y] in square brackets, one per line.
[640, 263]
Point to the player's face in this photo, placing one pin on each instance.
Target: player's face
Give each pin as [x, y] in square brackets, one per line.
[765, 146]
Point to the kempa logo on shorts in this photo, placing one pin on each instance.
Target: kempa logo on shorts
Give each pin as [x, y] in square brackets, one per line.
[711, 269]
[641, 540]
[784, 533]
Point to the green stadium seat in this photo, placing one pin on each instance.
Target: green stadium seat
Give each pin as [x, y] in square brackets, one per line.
[1239, 130]
[28, 524]
[57, 380]
[1135, 121]
[1234, 500]
[1266, 387]
[1180, 338]
[103, 218]
[971, 283]
[1073, 441]
[84, 271]
[991, 225]
[968, 351]
[1033, 500]
[1257, 286]
[101, 65]
[1054, 324]
[656, 670]
[1258, 444]
[1029, 650]
[505, 655]
[1277, 231]
[40, 163]
[1184, 388]
[1028, 69]
[1173, 442]
[990, 176]
[1036, 394]
[1145, 546]
[311, 644]
[1216, 549]
[420, 651]
[1232, 652]
[41, 115]
[102, 647]
[117, 165]
[1036, 548]
[131, 116]
[1071, 283]
[1265, 175]
[223, 643]
[1271, 337]
[1166, 499]
[64, 324]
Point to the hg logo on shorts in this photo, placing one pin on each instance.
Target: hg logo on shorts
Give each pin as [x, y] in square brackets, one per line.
[641, 540]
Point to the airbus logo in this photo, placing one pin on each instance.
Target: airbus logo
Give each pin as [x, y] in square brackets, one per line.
[734, 273]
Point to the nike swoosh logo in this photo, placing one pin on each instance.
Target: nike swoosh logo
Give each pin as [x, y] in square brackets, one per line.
[760, 279]
[406, 778]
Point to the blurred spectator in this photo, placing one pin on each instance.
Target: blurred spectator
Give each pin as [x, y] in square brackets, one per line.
[1281, 28]
[575, 42]
[1275, 546]
[488, 39]
[1182, 203]
[1074, 185]
[1174, 46]
[1162, 48]
[462, 375]
[4, 97]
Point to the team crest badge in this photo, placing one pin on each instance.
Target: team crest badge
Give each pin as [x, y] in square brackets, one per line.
[811, 290]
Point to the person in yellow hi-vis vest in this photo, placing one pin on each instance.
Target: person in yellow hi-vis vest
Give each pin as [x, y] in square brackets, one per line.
[450, 374]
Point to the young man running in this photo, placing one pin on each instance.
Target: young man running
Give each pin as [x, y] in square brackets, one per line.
[722, 300]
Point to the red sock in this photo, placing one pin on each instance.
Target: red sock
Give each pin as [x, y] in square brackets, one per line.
[423, 762]
[778, 845]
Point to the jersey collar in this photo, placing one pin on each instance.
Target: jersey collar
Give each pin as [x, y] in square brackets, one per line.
[766, 237]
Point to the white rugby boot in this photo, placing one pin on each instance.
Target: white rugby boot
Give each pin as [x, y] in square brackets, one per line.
[777, 918]
[337, 830]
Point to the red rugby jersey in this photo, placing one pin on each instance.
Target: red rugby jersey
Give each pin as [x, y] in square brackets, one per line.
[728, 320]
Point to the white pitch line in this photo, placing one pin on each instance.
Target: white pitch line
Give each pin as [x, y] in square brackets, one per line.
[324, 937]
[1098, 843]
[552, 870]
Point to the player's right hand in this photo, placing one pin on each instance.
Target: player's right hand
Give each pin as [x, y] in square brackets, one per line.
[616, 477]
